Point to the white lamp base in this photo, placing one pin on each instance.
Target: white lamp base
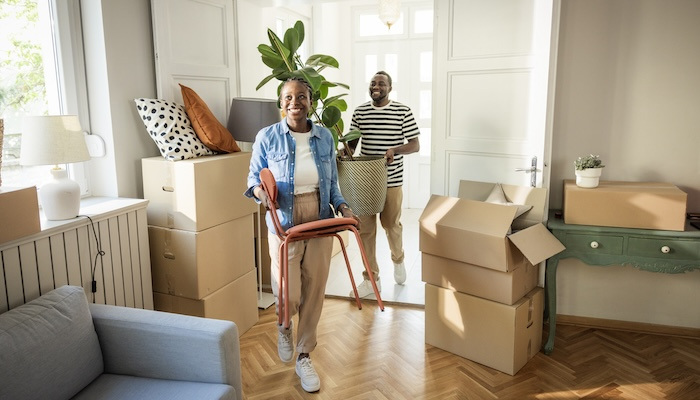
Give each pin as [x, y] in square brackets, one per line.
[60, 197]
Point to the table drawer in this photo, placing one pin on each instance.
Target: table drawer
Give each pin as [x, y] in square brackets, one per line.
[594, 244]
[677, 249]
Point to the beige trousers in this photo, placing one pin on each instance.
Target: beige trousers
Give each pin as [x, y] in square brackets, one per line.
[309, 263]
[390, 218]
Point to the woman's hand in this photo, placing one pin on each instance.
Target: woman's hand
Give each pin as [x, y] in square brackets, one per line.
[348, 213]
[262, 196]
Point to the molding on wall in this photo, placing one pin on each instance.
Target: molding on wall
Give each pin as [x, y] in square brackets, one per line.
[628, 326]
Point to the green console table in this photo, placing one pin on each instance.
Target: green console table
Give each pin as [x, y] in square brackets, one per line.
[668, 252]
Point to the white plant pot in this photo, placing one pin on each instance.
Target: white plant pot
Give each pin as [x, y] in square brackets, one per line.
[588, 178]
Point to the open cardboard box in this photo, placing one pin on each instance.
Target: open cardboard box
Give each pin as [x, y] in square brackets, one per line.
[469, 230]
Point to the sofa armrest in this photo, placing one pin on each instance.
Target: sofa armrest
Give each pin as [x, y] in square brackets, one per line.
[162, 345]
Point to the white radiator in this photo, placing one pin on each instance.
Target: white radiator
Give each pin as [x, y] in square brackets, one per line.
[66, 253]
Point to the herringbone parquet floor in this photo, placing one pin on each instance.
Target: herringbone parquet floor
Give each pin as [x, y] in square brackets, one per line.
[369, 354]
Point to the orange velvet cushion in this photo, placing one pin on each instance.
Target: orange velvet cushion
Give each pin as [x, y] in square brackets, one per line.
[208, 129]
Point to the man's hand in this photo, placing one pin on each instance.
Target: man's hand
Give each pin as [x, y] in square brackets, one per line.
[389, 155]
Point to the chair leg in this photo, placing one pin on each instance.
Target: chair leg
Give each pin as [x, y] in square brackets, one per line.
[352, 279]
[367, 268]
[283, 288]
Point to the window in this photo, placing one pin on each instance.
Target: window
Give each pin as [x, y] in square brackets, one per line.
[41, 73]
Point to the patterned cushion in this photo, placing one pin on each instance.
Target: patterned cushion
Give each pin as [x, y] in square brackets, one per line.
[170, 128]
[205, 124]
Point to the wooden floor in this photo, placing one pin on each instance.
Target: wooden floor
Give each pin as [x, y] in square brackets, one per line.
[369, 354]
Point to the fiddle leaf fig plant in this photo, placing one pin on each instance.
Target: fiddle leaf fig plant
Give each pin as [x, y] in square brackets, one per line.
[282, 57]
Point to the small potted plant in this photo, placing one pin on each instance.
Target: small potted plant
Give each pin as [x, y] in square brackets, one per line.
[588, 170]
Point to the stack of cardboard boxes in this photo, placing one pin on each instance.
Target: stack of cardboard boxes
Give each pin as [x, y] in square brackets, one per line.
[202, 238]
[480, 265]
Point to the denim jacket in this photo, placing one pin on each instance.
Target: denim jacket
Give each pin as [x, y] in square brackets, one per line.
[275, 148]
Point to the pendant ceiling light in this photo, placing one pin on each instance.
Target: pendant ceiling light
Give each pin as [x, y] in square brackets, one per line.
[389, 11]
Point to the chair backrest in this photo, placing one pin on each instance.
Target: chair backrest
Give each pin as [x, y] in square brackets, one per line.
[269, 186]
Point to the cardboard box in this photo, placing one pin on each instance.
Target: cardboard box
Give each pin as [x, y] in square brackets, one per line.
[503, 337]
[502, 287]
[198, 193]
[645, 205]
[237, 302]
[475, 232]
[19, 213]
[196, 264]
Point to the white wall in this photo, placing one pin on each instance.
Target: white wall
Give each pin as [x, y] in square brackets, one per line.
[120, 67]
[627, 89]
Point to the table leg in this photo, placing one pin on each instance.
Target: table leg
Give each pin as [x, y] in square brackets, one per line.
[550, 283]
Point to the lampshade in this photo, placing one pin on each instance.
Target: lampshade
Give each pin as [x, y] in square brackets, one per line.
[389, 11]
[55, 139]
[249, 115]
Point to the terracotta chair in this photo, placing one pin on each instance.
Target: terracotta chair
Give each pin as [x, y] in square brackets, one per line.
[309, 230]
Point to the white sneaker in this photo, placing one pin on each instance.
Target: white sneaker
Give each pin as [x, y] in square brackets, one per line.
[285, 344]
[309, 378]
[400, 273]
[365, 289]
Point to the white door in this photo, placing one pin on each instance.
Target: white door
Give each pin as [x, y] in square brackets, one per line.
[405, 52]
[195, 45]
[492, 86]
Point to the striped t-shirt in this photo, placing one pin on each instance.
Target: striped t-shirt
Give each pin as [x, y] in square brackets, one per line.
[383, 128]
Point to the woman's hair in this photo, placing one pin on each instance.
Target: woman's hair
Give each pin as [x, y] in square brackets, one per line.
[303, 82]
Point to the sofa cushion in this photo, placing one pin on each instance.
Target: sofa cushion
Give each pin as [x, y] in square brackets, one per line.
[205, 124]
[49, 347]
[119, 387]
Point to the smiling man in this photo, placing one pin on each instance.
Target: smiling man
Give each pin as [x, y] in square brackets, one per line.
[389, 130]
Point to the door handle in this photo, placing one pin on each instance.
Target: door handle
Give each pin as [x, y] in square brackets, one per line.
[532, 170]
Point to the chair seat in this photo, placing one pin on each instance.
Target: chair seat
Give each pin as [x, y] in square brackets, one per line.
[322, 224]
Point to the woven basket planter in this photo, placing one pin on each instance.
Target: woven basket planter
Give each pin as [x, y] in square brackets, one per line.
[362, 182]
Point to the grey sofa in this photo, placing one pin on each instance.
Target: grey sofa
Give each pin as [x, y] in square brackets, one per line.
[60, 347]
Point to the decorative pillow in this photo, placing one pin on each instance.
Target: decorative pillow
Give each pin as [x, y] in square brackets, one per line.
[208, 128]
[498, 196]
[168, 125]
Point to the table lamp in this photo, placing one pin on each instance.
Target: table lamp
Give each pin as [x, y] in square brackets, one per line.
[55, 139]
[248, 116]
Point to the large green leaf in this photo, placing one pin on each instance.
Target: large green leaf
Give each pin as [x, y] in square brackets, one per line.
[318, 60]
[264, 81]
[311, 76]
[278, 45]
[352, 135]
[331, 116]
[299, 27]
[337, 102]
[291, 40]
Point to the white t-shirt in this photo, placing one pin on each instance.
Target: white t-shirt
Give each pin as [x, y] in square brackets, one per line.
[305, 171]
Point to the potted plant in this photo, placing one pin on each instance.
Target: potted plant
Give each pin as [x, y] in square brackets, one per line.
[362, 180]
[588, 170]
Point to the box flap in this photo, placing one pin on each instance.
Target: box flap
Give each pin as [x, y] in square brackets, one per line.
[536, 243]
[521, 195]
[467, 215]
